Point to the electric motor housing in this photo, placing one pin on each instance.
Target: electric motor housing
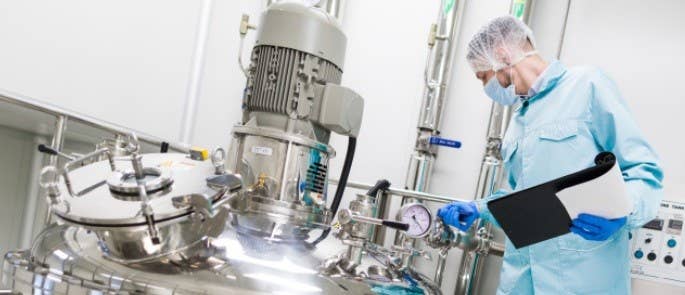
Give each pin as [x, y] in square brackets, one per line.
[292, 102]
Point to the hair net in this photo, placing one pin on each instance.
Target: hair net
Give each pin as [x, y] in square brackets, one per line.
[507, 33]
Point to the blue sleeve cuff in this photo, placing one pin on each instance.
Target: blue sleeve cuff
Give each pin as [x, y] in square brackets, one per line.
[482, 206]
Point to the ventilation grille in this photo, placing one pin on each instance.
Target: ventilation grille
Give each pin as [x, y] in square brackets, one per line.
[276, 73]
[316, 177]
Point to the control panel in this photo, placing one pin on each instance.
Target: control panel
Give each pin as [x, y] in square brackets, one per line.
[657, 248]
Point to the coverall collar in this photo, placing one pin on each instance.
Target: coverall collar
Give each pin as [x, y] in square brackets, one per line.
[545, 82]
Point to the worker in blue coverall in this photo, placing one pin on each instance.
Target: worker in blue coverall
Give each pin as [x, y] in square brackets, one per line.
[562, 118]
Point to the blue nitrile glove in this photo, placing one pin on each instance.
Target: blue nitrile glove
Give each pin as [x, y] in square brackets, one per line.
[459, 214]
[595, 228]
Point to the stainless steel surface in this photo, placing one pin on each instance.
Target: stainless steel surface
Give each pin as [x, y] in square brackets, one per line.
[442, 38]
[379, 233]
[102, 207]
[67, 260]
[218, 159]
[346, 216]
[363, 210]
[56, 144]
[117, 146]
[491, 178]
[149, 220]
[27, 103]
[439, 67]
[334, 8]
[402, 192]
[282, 136]
[496, 249]
[79, 162]
[291, 103]
[285, 176]
[358, 223]
[58, 138]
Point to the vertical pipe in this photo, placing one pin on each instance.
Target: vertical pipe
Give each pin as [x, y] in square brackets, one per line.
[196, 71]
[33, 195]
[334, 8]
[491, 174]
[437, 75]
[381, 204]
[563, 30]
[57, 144]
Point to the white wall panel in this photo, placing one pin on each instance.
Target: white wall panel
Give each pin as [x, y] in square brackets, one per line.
[122, 61]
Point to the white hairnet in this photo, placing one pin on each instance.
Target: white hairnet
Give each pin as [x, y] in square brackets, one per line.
[507, 33]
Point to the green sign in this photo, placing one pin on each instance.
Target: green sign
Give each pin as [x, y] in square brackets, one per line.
[518, 8]
[449, 5]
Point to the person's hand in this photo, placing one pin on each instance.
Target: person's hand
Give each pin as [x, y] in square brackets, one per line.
[459, 214]
[595, 228]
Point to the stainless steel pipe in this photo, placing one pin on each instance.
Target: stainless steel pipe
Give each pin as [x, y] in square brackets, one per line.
[57, 144]
[442, 38]
[334, 8]
[401, 192]
[46, 108]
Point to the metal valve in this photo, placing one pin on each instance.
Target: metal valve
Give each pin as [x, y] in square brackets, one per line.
[201, 205]
[48, 180]
[347, 216]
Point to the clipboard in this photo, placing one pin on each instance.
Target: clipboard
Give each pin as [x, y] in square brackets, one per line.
[545, 211]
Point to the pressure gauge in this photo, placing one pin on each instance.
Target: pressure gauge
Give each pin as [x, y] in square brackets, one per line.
[418, 217]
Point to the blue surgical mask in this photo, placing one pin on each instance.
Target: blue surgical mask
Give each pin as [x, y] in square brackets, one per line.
[504, 96]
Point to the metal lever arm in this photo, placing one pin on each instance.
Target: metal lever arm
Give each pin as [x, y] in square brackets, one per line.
[51, 151]
[436, 140]
[347, 216]
[76, 162]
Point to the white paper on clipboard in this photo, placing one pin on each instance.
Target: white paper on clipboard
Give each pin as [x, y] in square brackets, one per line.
[605, 196]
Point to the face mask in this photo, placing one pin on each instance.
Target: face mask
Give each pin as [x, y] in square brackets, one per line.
[504, 96]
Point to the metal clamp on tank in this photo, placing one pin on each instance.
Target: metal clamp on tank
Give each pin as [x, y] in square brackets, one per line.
[443, 238]
[134, 205]
[357, 226]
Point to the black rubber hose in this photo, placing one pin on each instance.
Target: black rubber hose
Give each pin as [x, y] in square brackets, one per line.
[340, 190]
[381, 185]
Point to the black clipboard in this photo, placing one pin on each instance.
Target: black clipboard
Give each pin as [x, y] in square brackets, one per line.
[536, 214]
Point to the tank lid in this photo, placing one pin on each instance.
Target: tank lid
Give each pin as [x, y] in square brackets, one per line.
[102, 206]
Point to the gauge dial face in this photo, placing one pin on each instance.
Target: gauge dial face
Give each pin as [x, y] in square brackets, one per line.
[418, 217]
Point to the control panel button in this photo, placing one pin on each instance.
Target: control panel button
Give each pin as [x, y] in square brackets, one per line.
[671, 243]
[656, 224]
[668, 259]
[639, 254]
[651, 256]
[648, 240]
[683, 263]
[630, 236]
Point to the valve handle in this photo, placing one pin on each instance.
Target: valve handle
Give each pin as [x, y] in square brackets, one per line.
[346, 216]
[381, 185]
[396, 225]
[436, 140]
[48, 150]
